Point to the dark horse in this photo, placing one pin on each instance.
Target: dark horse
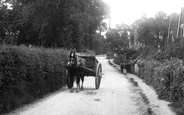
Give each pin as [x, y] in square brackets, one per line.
[75, 71]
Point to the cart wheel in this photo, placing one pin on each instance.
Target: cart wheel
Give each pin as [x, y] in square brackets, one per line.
[68, 82]
[98, 76]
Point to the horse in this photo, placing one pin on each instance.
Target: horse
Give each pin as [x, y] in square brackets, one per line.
[76, 73]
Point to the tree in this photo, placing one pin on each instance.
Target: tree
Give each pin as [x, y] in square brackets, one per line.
[57, 23]
[153, 31]
[124, 31]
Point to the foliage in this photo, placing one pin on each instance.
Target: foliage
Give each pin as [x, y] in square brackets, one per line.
[56, 23]
[110, 55]
[131, 55]
[152, 31]
[27, 74]
[175, 49]
[118, 38]
[163, 70]
[100, 44]
[162, 57]
[167, 79]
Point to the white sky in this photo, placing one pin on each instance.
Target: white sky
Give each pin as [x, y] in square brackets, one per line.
[127, 11]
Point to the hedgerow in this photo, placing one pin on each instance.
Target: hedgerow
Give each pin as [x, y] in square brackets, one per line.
[110, 55]
[165, 72]
[27, 74]
[167, 79]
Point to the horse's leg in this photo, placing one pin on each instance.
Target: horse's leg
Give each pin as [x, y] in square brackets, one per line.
[78, 83]
[82, 79]
[72, 82]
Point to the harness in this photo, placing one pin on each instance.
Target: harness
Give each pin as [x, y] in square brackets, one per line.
[75, 60]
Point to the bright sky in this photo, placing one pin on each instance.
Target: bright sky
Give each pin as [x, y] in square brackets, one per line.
[127, 11]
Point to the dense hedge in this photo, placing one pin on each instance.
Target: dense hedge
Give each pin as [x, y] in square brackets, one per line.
[164, 70]
[27, 74]
[167, 79]
[110, 55]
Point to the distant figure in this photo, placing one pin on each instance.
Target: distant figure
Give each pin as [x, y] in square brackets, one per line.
[123, 63]
[181, 61]
[136, 66]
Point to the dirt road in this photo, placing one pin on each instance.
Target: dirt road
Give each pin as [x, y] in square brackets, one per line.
[116, 96]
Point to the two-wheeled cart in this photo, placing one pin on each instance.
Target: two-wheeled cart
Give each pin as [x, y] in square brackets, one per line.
[92, 68]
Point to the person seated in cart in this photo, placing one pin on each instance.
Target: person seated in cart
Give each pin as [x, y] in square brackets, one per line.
[81, 61]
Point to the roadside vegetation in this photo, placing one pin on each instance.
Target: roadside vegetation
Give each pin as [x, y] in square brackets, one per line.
[27, 74]
[161, 57]
[164, 71]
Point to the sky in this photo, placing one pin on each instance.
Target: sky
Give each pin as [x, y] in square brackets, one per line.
[127, 11]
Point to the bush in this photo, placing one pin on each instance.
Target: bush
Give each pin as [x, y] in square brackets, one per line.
[167, 79]
[147, 69]
[27, 74]
[110, 55]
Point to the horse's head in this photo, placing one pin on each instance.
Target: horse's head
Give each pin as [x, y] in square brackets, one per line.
[73, 58]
